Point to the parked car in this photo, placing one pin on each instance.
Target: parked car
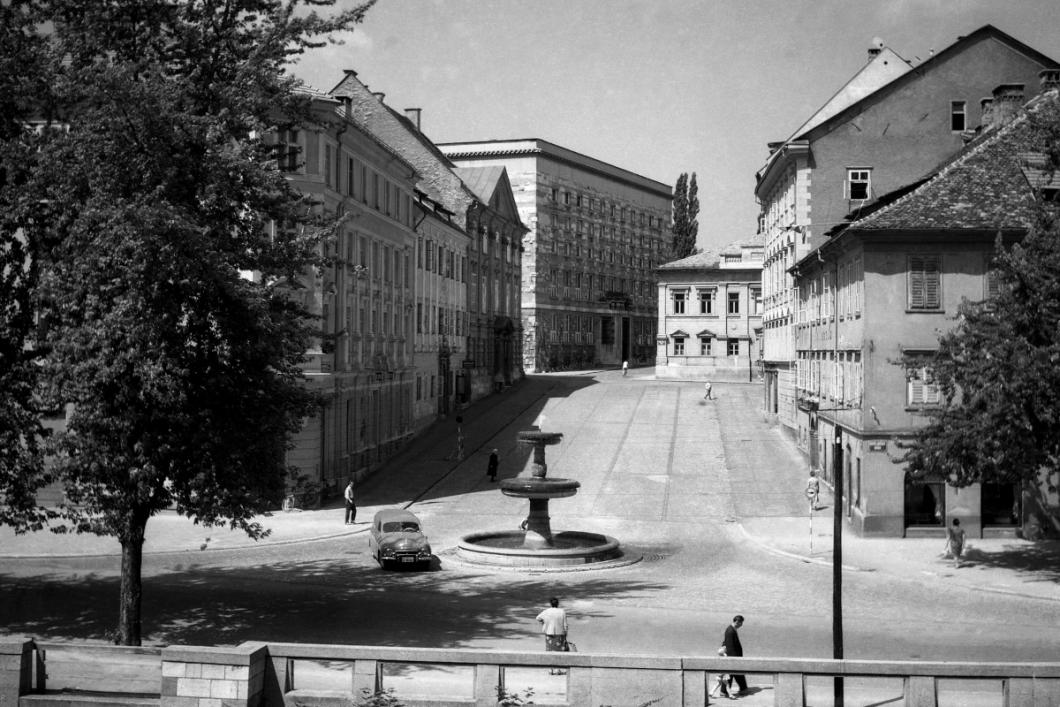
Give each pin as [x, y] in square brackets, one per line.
[397, 539]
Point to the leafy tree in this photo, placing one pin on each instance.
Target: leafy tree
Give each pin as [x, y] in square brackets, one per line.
[693, 213]
[22, 51]
[161, 194]
[685, 209]
[998, 369]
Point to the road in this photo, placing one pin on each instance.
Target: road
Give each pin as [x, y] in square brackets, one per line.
[667, 473]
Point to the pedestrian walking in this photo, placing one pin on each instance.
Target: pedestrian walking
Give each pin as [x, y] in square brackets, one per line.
[491, 467]
[351, 506]
[955, 542]
[733, 649]
[813, 490]
[707, 394]
[625, 368]
[553, 622]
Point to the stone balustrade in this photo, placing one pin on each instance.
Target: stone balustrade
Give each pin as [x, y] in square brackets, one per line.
[274, 674]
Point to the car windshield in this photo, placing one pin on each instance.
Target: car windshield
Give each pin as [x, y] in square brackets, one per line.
[403, 526]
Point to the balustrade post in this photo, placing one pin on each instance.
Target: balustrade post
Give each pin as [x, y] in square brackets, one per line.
[694, 688]
[16, 668]
[920, 691]
[366, 677]
[487, 680]
[789, 690]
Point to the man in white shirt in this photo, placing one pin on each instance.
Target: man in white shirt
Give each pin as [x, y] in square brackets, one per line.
[351, 506]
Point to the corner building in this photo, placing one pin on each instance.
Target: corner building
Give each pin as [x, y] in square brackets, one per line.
[361, 363]
[596, 233]
[891, 124]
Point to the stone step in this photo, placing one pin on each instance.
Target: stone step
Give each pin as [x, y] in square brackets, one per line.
[69, 698]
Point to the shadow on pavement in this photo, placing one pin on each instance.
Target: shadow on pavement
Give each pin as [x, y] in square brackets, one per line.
[417, 471]
[1042, 559]
[343, 600]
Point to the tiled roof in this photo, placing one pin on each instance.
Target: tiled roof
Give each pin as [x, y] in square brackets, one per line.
[482, 181]
[986, 186]
[706, 259]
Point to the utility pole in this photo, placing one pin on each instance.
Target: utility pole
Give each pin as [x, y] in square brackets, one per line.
[837, 563]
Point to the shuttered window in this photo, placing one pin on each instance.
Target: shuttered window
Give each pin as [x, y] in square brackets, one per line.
[925, 282]
[922, 388]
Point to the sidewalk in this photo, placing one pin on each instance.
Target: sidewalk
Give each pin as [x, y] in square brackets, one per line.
[1003, 565]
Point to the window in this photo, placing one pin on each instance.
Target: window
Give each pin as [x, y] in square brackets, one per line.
[733, 347]
[679, 346]
[923, 391]
[328, 161]
[706, 301]
[958, 116]
[704, 346]
[679, 303]
[858, 184]
[734, 303]
[925, 282]
[756, 302]
[289, 151]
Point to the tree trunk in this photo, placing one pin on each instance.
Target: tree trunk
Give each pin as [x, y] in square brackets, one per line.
[132, 552]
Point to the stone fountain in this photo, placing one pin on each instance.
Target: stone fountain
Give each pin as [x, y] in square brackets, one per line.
[537, 546]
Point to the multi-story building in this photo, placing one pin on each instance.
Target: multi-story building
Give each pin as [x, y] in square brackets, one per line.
[440, 290]
[483, 207]
[597, 231]
[710, 316]
[892, 123]
[362, 363]
[881, 289]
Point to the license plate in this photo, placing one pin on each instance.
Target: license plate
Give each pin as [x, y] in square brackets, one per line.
[407, 559]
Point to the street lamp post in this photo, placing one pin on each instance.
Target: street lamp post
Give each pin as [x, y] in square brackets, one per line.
[837, 563]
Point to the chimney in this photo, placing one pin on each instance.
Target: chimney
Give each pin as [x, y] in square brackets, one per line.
[379, 95]
[1049, 79]
[986, 112]
[1008, 99]
[875, 48]
[413, 114]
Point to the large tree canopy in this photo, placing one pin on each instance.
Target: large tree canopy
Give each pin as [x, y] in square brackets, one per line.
[998, 369]
[155, 193]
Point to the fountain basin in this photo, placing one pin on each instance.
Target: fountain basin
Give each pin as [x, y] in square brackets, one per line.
[538, 487]
[505, 548]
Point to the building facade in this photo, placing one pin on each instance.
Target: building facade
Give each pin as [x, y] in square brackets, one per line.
[362, 363]
[891, 124]
[441, 321]
[489, 352]
[882, 289]
[596, 232]
[710, 317]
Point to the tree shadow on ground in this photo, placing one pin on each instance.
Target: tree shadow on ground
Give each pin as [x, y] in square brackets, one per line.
[1039, 561]
[425, 469]
[346, 600]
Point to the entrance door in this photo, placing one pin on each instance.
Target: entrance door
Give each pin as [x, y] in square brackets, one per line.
[625, 339]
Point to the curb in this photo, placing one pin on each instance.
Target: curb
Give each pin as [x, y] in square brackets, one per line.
[793, 555]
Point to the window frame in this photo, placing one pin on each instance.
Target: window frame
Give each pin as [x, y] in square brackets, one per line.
[858, 175]
[958, 108]
[921, 278]
[679, 346]
[678, 299]
[732, 303]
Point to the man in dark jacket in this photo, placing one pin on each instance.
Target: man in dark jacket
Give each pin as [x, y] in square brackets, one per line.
[733, 649]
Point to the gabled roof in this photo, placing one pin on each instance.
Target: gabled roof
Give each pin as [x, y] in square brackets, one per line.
[696, 261]
[880, 71]
[989, 185]
[492, 187]
[840, 109]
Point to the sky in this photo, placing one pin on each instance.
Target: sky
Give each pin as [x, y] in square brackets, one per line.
[657, 87]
